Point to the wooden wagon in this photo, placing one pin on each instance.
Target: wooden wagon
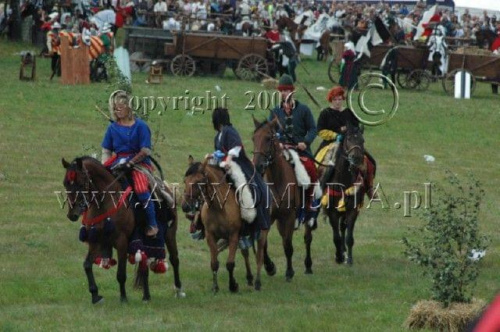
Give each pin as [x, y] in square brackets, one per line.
[482, 67]
[247, 56]
[412, 65]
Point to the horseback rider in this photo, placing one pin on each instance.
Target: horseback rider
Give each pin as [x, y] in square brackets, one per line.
[235, 161]
[333, 123]
[129, 140]
[298, 130]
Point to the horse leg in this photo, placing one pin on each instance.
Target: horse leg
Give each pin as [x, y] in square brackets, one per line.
[261, 247]
[286, 228]
[245, 254]
[343, 228]
[268, 263]
[337, 239]
[233, 246]
[214, 263]
[351, 221]
[87, 266]
[173, 256]
[121, 274]
[308, 237]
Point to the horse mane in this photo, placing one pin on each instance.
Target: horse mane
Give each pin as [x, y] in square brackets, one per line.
[193, 168]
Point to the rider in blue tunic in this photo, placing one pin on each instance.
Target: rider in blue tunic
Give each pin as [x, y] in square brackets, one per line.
[129, 138]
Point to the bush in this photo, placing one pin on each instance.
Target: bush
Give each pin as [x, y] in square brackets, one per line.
[445, 244]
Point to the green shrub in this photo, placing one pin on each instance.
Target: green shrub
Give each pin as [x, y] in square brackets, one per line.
[443, 246]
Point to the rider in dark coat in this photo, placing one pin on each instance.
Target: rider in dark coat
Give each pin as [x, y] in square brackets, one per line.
[229, 142]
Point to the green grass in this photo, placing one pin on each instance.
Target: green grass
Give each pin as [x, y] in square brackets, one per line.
[43, 286]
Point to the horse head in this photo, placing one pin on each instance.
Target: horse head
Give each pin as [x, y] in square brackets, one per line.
[264, 141]
[353, 147]
[194, 179]
[78, 186]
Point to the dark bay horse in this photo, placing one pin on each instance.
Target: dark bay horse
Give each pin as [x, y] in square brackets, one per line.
[221, 217]
[93, 191]
[280, 175]
[347, 185]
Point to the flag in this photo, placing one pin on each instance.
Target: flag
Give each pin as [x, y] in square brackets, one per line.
[426, 18]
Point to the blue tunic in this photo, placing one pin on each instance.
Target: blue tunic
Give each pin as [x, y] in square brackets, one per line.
[128, 141]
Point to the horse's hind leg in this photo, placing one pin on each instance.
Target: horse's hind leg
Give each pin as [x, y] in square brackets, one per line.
[308, 237]
[87, 265]
[171, 242]
[245, 254]
[233, 246]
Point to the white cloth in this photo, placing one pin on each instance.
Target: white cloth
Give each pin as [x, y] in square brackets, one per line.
[160, 7]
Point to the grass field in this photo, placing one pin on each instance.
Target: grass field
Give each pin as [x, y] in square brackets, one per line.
[43, 285]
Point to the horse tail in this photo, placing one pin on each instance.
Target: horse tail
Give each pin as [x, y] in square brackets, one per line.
[139, 277]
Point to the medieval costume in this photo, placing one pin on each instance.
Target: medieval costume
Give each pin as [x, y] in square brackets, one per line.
[299, 131]
[129, 138]
[349, 70]
[228, 141]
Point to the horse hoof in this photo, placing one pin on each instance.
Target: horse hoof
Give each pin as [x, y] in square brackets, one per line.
[258, 285]
[349, 262]
[97, 299]
[215, 289]
[234, 288]
[289, 275]
[123, 300]
[179, 294]
[270, 269]
[249, 282]
[308, 271]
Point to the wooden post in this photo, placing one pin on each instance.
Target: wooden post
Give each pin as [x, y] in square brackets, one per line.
[75, 67]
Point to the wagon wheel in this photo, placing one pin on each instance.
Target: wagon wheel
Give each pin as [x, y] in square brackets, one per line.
[448, 81]
[419, 79]
[251, 67]
[183, 65]
[334, 72]
[402, 79]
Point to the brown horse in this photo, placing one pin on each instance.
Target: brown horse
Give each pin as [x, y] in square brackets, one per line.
[93, 191]
[346, 185]
[279, 173]
[296, 30]
[221, 217]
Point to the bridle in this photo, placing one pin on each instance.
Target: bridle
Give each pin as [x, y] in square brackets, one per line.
[269, 154]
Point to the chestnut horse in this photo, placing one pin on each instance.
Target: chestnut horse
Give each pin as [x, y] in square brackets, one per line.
[347, 184]
[93, 191]
[221, 217]
[279, 173]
